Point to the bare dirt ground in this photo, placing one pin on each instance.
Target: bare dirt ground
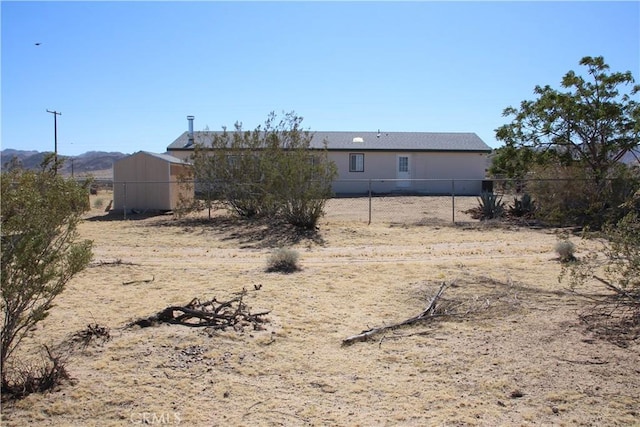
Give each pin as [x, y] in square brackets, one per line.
[516, 353]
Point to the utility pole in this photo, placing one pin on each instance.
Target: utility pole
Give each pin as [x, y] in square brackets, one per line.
[55, 136]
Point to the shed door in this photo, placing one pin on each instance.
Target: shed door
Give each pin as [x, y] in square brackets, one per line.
[403, 168]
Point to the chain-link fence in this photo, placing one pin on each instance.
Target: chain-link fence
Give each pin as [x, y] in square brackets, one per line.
[406, 200]
[403, 209]
[366, 202]
[394, 201]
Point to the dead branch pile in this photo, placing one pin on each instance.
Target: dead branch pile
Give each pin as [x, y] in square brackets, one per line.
[35, 378]
[91, 333]
[212, 314]
[431, 312]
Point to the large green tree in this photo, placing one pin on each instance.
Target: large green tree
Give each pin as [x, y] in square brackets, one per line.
[40, 248]
[593, 121]
[574, 139]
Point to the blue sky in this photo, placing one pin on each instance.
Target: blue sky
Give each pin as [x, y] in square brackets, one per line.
[126, 74]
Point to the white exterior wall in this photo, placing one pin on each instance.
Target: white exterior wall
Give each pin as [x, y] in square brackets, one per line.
[468, 169]
[376, 166]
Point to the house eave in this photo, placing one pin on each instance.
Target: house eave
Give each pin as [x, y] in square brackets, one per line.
[368, 150]
[404, 150]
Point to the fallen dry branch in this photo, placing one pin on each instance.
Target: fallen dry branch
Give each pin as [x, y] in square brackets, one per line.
[140, 281]
[116, 262]
[428, 313]
[211, 314]
[631, 297]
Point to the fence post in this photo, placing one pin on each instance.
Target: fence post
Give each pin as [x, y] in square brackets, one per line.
[453, 201]
[369, 203]
[124, 203]
[209, 199]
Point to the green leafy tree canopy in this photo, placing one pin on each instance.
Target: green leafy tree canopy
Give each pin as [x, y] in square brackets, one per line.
[593, 120]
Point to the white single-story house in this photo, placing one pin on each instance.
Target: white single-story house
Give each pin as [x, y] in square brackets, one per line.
[147, 181]
[388, 162]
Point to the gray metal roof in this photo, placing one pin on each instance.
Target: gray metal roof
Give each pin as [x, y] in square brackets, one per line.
[370, 141]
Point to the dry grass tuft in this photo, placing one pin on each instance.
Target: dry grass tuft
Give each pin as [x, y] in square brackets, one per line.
[565, 250]
[283, 260]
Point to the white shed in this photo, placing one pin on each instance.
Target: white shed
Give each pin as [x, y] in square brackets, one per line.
[150, 182]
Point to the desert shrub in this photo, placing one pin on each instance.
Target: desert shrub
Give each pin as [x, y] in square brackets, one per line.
[92, 333]
[98, 203]
[623, 255]
[303, 205]
[524, 207]
[40, 249]
[36, 377]
[568, 196]
[283, 260]
[490, 206]
[616, 266]
[565, 250]
[271, 172]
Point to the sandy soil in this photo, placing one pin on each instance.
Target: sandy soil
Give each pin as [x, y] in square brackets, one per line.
[516, 353]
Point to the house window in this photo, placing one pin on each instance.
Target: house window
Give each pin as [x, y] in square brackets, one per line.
[356, 162]
[403, 164]
[233, 162]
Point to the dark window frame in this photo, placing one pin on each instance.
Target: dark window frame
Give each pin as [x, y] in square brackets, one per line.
[353, 162]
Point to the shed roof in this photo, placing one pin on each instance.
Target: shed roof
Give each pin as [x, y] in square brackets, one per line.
[370, 141]
[165, 157]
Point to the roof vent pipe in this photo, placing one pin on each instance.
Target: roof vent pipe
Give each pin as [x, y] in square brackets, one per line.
[190, 118]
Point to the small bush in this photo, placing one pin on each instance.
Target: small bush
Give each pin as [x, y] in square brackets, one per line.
[525, 207]
[98, 203]
[40, 252]
[36, 378]
[490, 206]
[92, 333]
[565, 250]
[616, 267]
[283, 260]
[568, 196]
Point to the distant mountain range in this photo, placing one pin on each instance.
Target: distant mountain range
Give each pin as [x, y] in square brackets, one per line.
[85, 164]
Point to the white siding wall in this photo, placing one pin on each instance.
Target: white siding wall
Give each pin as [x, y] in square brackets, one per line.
[423, 165]
[468, 169]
